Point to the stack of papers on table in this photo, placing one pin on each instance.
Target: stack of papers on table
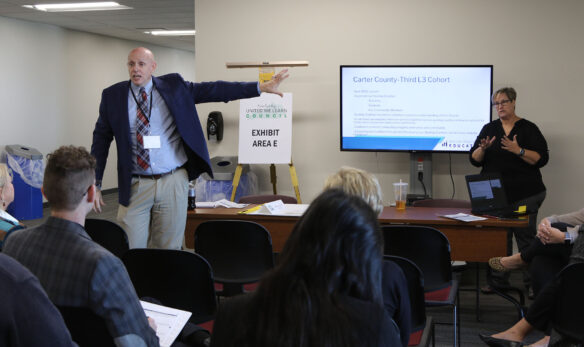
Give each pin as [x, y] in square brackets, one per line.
[464, 217]
[277, 208]
[219, 203]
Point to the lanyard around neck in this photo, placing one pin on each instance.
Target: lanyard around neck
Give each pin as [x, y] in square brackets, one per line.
[138, 104]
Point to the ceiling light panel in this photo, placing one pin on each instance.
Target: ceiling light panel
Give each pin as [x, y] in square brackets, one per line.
[77, 7]
[171, 32]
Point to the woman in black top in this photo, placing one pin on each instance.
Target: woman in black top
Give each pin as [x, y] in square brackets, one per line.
[516, 149]
[326, 290]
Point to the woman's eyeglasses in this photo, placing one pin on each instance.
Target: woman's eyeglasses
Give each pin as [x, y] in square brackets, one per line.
[501, 103]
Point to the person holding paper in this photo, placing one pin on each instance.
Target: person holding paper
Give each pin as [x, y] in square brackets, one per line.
[394, 287]
[160, 145]
[74, 270]
[326, 289]
[516, 149]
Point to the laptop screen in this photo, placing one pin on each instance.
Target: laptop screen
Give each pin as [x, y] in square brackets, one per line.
[486, 192]
[484, 189]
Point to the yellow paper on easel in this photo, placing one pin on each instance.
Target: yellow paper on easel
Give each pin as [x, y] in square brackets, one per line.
[266, 74]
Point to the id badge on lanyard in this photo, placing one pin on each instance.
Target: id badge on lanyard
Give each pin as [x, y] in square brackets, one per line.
[150, 141]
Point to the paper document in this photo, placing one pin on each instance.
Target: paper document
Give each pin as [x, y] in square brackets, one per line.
[277, 208]
[463, 217]
[219, 203]
[169, 321]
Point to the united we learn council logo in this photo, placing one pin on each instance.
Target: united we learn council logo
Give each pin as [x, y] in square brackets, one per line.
[270, 111]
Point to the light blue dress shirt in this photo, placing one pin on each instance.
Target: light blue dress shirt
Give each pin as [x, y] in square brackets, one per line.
[171, 153]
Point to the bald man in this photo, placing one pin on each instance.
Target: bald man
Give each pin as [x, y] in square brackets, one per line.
[160, 145]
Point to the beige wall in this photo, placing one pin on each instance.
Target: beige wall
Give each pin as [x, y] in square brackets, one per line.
[534, 45]
[52, 77]
[52, 80]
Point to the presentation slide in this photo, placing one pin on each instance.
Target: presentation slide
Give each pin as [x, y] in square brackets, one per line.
[414, 108]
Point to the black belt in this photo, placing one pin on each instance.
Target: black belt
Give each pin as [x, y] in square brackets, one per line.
[157, 176]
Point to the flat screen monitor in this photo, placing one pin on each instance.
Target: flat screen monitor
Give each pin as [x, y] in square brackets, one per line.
[430, 108]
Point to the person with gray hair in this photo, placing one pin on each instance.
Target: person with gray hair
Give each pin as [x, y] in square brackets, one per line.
[396, 300]
[515, 149]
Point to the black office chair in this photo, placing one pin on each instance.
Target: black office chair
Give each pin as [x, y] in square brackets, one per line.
[567, 318]
[177, 279]
[429, 249]
[457, 266]
[262, 199]
[87, 328]
[107, 234]
[239, 252]
[422, 326]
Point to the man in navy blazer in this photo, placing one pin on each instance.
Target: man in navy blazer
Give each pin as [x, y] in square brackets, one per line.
[157, 157]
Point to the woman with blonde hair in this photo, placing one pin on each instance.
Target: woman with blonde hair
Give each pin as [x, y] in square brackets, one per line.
[396, 300]
[7, 222]
[359, 183]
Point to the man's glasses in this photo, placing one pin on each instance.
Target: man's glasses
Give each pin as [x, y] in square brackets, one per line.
[501, 103]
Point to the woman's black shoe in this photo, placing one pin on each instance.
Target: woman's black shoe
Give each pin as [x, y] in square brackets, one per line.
[495, 342]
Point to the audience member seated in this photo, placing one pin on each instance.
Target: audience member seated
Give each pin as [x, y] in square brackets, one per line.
[539, 313]
[74, 270]
[362, 184]
[553, 245]
[27, 316]
[8, 224]
[326, 290]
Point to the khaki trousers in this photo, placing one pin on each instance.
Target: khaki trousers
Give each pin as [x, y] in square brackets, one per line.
[157, 214]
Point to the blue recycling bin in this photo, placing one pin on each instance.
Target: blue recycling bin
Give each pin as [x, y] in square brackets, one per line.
[221, 185]
[28, 170]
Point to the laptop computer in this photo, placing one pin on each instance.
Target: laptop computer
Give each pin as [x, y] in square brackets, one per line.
[487, 195]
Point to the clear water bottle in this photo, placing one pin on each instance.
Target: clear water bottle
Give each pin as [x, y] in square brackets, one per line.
[191, 204]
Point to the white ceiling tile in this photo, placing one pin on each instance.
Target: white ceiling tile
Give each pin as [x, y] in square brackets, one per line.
[169, 14]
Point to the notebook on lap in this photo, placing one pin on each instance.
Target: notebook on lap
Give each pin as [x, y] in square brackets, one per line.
[487, 195]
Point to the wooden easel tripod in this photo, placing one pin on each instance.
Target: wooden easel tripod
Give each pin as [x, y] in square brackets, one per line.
[266, 71]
